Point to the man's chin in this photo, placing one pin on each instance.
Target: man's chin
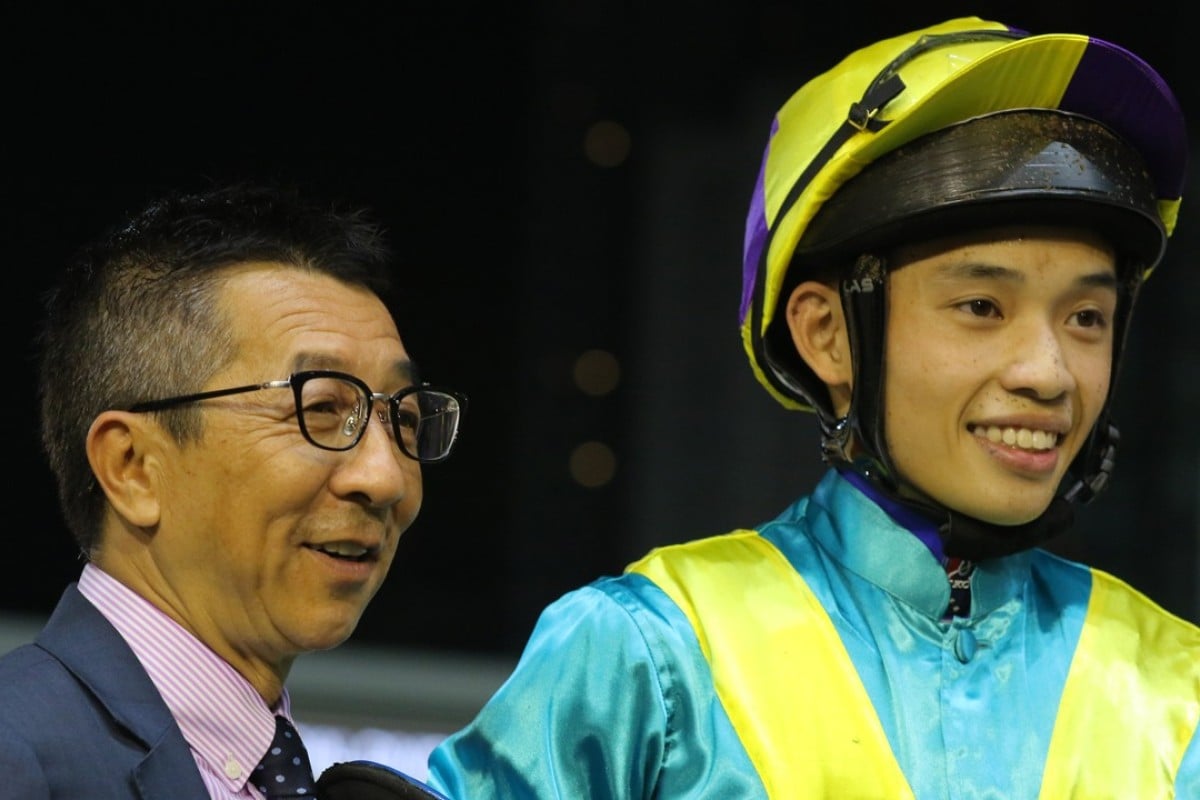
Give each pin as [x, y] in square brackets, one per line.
[326, 633]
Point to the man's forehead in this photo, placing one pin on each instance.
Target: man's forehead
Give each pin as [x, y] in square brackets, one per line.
[402, 368]
[286, 317]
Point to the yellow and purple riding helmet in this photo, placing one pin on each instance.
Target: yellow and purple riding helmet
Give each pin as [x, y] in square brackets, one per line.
[899, 90]
[965, 124]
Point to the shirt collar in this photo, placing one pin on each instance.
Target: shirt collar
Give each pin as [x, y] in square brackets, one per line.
[224, 720]
[861, 535]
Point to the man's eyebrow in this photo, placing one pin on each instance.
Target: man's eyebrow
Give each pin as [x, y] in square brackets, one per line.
[1105, 279]
[1102, 278]
[978, 270]
[310, 360]
[407, 371]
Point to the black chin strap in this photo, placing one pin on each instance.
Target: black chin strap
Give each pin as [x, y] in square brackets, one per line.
[976, 540]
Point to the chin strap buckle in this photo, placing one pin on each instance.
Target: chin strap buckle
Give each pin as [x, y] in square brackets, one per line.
[1088, 486]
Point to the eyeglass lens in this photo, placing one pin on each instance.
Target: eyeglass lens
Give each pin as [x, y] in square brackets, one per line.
[334, 413]
[428, 431]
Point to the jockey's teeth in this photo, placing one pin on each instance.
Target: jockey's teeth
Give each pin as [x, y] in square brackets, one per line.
[1024, 438]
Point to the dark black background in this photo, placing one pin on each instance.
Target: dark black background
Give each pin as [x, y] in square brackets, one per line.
[465, 126]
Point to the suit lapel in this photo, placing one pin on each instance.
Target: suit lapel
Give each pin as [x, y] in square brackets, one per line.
[79, 636]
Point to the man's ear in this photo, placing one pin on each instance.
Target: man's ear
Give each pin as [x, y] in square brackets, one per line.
[819, 334]
[122, 448]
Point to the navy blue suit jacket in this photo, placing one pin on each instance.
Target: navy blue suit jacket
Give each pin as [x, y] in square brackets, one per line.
[81, 720]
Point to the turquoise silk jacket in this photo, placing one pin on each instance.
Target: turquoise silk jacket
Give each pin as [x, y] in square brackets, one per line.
[810, 659]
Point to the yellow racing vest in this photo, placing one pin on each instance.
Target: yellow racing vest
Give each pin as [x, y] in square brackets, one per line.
[1129, 708]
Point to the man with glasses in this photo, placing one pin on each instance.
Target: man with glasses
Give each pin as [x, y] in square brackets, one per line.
[237, 432]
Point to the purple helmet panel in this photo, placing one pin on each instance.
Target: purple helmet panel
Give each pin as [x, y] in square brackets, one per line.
[756, 230]
[1138, 105]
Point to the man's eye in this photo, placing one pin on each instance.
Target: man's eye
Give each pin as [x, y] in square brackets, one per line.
[980, 307]
[324, 407]
[407, 418]
[1091, 318]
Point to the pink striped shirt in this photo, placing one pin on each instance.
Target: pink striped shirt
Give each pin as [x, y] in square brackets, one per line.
[224, 720]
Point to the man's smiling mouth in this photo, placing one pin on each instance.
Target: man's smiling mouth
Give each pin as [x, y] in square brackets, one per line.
[347, 551]
[1024, 438]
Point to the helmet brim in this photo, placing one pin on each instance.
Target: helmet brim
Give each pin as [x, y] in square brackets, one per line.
[1023, 167]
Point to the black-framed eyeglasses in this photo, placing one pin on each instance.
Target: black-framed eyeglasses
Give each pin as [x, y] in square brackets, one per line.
[333, 409]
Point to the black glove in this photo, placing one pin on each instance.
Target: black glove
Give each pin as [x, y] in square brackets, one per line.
[366, 780]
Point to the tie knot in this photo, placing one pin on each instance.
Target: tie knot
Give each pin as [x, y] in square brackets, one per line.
[284, 771]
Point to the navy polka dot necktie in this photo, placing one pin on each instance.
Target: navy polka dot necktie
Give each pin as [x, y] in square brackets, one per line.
[285, 771]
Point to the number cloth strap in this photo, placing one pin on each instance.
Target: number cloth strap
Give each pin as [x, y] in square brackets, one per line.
[1129, 708]
[1131, 703]
[790, 653]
